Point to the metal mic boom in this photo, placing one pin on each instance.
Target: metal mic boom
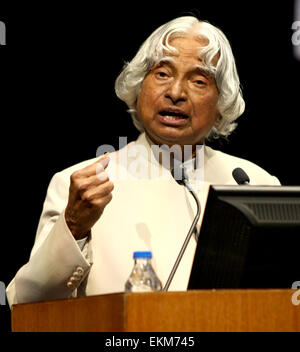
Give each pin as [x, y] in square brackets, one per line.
[191, 231]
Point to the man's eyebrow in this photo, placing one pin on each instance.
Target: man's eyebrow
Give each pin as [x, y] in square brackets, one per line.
[165, 60]
[204, 70]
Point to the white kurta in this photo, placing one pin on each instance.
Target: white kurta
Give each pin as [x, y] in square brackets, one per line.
[146, 213]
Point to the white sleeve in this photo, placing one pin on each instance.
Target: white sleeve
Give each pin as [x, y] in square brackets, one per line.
[57, 265]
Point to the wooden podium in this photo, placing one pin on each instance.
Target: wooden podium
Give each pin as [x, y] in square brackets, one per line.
[203, 310]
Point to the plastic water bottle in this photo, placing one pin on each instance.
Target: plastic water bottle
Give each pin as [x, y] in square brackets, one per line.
[143, 278]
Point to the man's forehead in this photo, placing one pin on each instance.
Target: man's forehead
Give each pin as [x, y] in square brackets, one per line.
[194, 38]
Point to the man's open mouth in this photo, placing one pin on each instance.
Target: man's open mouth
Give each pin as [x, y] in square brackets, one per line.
[173, 115]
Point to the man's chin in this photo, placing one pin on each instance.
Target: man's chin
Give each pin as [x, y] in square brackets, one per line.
[169, 138]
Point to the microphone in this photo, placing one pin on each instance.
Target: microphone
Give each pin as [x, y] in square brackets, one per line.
[240, 176]
[184, 182]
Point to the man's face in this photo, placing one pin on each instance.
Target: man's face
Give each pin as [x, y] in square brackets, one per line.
[178, 101]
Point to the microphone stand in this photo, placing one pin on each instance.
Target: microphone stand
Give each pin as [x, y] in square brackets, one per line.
[189, 235]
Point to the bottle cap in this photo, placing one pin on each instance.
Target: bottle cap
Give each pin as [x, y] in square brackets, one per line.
[145, 254]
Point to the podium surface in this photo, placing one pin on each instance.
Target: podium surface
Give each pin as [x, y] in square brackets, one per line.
[199, 310]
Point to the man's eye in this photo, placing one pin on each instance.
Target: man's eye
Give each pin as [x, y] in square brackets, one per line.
[161, 74]
[199, 82]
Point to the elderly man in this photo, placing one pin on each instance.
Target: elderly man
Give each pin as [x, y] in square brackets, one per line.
[181, 88]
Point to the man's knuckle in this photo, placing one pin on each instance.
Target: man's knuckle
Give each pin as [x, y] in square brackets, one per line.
[110, 196]
[75, 175]
[96, 202]
[77, 185]
[82, 186]
[86, 197]
[107, 199]
[102, 202]
[109, 187]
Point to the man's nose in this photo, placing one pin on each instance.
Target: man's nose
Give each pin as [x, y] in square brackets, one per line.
[176, 92]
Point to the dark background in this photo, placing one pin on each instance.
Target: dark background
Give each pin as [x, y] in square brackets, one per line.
[57, 100]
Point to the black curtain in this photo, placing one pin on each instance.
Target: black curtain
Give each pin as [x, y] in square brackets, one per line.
[58, 103]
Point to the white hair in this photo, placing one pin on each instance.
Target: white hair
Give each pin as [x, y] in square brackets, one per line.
[230, 103]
